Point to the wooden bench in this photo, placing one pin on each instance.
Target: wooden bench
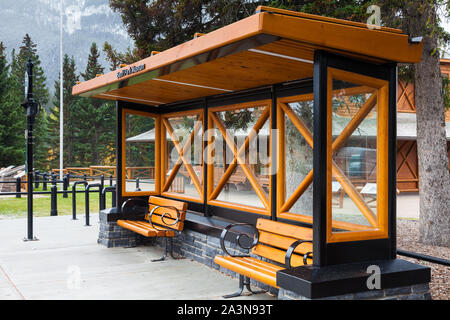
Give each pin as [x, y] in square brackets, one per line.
[161, 218]
[284, 244]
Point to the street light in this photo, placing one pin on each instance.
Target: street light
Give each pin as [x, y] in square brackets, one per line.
[32, 109]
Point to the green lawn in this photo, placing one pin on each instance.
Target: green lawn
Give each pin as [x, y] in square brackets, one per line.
[17, 207]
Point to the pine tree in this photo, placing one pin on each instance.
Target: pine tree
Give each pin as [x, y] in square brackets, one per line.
[94, 133]
[40, 94]
[70, 79]
[29, 50]
[12, 116]
[93, 67]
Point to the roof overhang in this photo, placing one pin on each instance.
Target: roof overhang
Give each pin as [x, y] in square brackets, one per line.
[271, 46]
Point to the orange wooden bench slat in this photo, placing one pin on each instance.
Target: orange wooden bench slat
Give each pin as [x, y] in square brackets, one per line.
[181, 206]
[144, 228]
[264, 264]
[130, 225]
[158, 221]
[159, 233]
[284, 242]
[277, 255]
[284, 229]
[248, 269]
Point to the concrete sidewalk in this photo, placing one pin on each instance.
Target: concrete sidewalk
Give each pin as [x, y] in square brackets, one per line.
[67, 263]
[408, 206]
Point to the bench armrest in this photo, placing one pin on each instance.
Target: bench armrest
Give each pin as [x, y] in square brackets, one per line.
[291, 249]
[163, 216]
[238, 238]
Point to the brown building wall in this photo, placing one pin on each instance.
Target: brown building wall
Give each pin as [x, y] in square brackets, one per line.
[407, 160]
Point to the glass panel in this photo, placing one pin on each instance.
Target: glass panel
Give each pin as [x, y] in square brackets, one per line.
[299, 157]
[354, 182]
[238, 190]
[239, 123]
[188, 134]
[183, 184]
[139, 153]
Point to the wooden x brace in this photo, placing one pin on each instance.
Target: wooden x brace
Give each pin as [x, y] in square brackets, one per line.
[337, 172]
[239, 160]
[181, 152]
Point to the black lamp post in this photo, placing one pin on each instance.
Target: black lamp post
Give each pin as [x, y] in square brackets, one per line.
[32, 109]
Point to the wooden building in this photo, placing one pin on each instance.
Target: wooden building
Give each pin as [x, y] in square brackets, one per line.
[407, 160]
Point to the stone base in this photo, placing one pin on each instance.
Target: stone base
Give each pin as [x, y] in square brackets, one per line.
[111, 235]
[415, 292]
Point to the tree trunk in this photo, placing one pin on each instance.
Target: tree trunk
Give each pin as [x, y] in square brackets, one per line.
[431, 143]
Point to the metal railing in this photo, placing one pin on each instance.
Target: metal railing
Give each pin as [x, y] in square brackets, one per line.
[51, 178]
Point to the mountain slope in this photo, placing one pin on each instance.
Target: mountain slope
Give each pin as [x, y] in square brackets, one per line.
[85, 21]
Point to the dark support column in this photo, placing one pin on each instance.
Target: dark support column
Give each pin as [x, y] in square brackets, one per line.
[320, 159]
[53, 201]
[119, 106]
[44, 183]
[36, 179]
[392, 159]
[18, 187]
[113, 196]
[65, 185]
[273, 153]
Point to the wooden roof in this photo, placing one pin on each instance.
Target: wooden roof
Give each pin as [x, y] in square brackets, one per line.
[271, 46]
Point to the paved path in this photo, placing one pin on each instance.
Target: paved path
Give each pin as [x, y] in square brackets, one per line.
[67, 263]
[408, 205]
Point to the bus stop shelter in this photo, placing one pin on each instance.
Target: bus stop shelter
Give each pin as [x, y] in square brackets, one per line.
[314, 98]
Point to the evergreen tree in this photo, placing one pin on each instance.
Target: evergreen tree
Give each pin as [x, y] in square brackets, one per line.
[40, 94]
[12, 116]
[162, 24]
[93, 67]
[28, 49]
[94, 132]
[70, 79]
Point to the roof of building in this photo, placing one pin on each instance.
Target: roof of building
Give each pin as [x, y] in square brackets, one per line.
[271, 46]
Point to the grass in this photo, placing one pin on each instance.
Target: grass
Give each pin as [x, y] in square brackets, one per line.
[17, 207]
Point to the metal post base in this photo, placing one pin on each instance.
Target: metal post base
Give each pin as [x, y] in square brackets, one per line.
[34, 239]
[165, 252]
[243, 281]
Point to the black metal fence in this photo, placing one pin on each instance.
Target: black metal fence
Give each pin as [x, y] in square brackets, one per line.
[50, 180]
